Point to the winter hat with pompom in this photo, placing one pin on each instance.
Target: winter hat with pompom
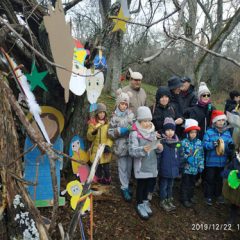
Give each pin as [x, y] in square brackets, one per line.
[123, 97]
[203, 89]
[218, 115]
[169, 124]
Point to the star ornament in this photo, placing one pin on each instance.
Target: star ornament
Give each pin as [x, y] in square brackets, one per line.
[35, 78]
[120, 25]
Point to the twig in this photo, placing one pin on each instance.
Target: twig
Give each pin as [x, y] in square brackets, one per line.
[20, 179]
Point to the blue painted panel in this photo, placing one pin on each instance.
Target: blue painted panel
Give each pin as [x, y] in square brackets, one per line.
[37, 166]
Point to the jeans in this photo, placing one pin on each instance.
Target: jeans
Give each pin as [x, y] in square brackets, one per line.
[187, 187]
[165, 187]
[213, 182]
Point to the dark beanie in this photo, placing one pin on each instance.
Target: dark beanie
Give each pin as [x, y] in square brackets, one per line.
[169, 124]
[233, 94]
[174, 82]
[186, 79]
[162, 91]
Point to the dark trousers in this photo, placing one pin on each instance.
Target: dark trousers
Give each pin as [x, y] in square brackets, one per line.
[213, 182]
[143, 185]
[103, 171]
[187, 187]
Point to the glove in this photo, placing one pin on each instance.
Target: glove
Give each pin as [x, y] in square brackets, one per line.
[94, 132]
[107, 149]
[123, 131]
[215, 143]
[190, 160]
[225, 173]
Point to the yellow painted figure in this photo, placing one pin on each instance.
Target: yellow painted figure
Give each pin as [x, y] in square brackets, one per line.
[74, 189]
[77, 152]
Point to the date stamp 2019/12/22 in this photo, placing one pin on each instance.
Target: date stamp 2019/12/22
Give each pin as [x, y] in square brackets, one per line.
[214, 227]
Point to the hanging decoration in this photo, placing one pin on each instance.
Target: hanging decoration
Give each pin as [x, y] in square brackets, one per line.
[100, 61]
[35, 78]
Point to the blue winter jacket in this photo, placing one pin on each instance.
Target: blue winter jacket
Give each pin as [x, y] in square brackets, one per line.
[193, 156]
[211, 136]
[169, 160]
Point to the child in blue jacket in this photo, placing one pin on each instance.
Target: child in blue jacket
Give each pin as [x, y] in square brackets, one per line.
[193, 162]
[169, 163]
[216, 142]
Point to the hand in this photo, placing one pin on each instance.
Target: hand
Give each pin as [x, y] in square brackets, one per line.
[158, 135]
[215, 143]
[179, 121]
[147, 148]
[160, 146]
[200, 170]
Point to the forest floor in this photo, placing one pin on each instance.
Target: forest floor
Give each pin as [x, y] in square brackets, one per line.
[116, 219]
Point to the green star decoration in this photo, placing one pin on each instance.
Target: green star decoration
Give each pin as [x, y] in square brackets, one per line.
[35, 78]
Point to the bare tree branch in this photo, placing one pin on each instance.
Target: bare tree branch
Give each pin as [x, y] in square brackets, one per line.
[71, 4]
[137, 10]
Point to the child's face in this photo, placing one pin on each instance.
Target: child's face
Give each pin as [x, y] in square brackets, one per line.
[101, 115]
[193, 134]
[237, 99]
[169, 133]
[145, 124]
[220, 123]
[164, 100]
[123, 106]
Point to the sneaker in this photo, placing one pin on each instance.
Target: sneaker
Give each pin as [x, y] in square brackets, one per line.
[220, 200]
[126, 196]
[147, 208]
[187, 204]
[209, 202]
[170, 203]
[150, 195]
[165, 206]
[141, 211]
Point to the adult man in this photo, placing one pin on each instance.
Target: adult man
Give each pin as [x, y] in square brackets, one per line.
[187, 94]
[139, 96]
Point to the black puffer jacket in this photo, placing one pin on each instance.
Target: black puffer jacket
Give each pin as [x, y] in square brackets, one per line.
[202, 114]
[188, 98]
[230, 105]
[160, 113]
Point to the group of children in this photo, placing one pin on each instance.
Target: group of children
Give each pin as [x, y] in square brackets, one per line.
[159, 155]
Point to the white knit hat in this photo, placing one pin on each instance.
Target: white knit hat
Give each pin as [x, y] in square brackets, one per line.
[123, 97]
[135, 75]
[144, 113]
[203, 89]
[191, 124]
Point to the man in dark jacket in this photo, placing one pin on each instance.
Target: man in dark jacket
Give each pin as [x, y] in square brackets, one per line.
[187, 94]
[232, 103]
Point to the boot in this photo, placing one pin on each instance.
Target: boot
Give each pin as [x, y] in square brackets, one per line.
[142, 212]
[147, 207]
[233, 214]
[187, 204]
[126, 195]
[165, 206]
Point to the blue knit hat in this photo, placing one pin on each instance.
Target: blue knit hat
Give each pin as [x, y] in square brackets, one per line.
[169, 124]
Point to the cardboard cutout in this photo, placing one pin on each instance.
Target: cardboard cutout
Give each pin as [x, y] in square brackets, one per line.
[35, 78]
[74, 189]
[61, 42]
[37, 165]
[77, 152]
[94, 85]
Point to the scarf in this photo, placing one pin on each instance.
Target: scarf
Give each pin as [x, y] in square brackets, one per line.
[173, 140]
[203, 104]
[146, 133]
[120, 113]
